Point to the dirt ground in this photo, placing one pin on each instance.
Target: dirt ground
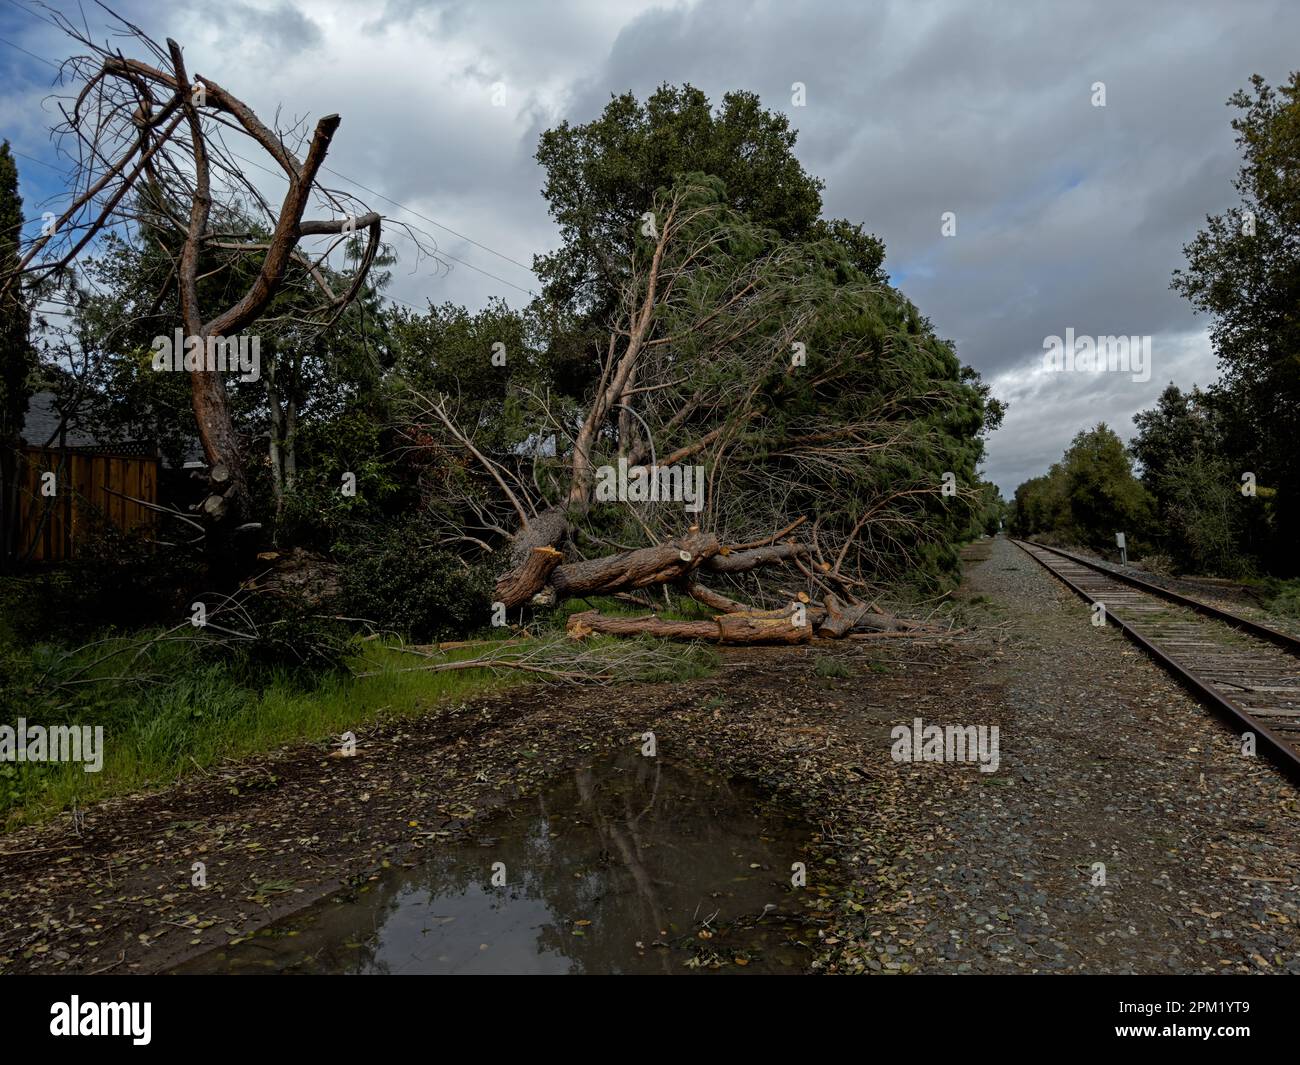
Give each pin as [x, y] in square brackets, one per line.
[928, 867]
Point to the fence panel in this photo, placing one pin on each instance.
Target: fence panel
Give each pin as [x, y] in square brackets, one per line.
[87, 484]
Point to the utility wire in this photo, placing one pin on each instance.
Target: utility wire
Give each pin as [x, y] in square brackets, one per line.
[343, 177]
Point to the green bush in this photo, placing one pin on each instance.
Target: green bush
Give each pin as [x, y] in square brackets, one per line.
[118, 580]
[400, 583]
[831, 666]
[290, 638]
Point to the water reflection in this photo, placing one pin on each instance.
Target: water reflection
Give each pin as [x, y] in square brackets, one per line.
[630, 866]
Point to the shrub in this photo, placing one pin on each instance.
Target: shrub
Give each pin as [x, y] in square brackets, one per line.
[1286, 601]
[401, 583]
[1159, 565]
[832, 666]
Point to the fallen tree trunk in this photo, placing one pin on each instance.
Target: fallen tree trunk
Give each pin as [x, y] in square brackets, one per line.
[629, 570]
[723, 603]
[538, 574]
[769, 626]
[840, 617]
[886, 623]
[593, 621]
[743, 561]
[531, 559]
[519, 584]
[752, 627]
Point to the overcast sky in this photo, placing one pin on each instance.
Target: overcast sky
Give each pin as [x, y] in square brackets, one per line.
[1068, 215]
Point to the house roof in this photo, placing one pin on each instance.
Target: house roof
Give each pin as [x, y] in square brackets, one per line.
[41, 426]
[41, 429]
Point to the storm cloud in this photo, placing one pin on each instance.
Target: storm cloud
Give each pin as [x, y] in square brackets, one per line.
[1067, 215]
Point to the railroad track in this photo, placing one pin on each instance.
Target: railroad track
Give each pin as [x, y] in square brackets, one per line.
[1247, 672]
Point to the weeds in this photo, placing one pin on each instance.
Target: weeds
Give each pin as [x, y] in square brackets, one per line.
[832, 666]
[1285, 600]
[182, 712]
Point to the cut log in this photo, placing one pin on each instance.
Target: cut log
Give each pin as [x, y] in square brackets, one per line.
[519, 584]
[840, 617]
[590, 621]
[634, 569]
[768, 626]
[528, 571]
[214, 507]
[752, 627]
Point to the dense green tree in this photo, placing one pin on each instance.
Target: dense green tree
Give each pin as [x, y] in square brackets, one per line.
[1088, 496]
[602, 176]
[1243, 269]
[1104, 496]
[1040, 505]
[1205, 522]
[989, 513]
[1177, 426]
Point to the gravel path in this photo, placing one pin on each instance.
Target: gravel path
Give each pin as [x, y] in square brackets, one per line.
[929, 867]
[1104, 760]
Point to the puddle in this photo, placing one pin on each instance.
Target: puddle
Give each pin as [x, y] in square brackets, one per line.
[632, 866]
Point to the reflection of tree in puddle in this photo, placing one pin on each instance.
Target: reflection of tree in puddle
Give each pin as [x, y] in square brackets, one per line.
[630, 853]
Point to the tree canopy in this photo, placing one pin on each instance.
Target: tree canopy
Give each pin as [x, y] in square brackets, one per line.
[1243, 270]
[1087, 497]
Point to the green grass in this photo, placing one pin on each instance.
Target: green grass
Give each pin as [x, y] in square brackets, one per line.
[832, 666]
[192, 713]
[1285, 600]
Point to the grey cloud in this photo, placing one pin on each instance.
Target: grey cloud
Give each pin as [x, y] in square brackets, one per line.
[277, 30]
[1068, 215]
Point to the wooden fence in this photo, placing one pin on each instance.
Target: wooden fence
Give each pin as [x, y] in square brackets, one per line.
[88, 486]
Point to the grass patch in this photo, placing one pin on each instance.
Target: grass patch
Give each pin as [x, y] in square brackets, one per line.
[187, 712]
[1285, 598]
[832, 666]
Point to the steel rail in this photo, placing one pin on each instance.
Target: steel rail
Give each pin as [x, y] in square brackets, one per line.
[1284, 755]
[1284, 640]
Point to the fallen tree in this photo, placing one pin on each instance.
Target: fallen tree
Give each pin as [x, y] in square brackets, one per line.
[796, 623]
[765, 418]
[740, 627]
